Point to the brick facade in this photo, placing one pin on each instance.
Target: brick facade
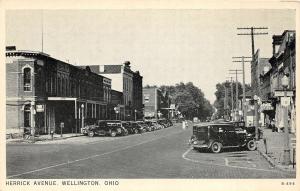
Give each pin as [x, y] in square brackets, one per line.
[42, 92]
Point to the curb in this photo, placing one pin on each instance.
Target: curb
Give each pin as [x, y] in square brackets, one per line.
[43, 140]
[272, 163]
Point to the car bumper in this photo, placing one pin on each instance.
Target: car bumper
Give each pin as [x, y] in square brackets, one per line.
[200, 146]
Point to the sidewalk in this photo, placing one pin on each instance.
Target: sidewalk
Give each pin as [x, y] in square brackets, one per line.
[40, 138]
[275, 149]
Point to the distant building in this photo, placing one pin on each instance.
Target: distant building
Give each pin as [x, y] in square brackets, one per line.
[153, 103]
[137, 97]
[117, 105]
[126, 81]
[258, 66]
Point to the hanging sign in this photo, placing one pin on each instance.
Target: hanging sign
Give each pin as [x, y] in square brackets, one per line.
[40, 108]
[285, 101]
[280, 93]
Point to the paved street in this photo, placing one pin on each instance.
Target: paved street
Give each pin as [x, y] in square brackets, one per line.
[160, 154]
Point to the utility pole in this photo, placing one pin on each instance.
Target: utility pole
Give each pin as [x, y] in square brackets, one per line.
[252, 33]
[42, 23]
[225, 101]
[237, 89]
[244, 89]
[231, 94]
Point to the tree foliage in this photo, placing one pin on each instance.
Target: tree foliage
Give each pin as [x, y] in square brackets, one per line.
[189, 100]
[220, 96]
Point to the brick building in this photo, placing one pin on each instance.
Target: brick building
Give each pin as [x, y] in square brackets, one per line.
[153, 103]
[258, 66]
[283, 63]
[42, 92]
[137, 97]
[126, 81]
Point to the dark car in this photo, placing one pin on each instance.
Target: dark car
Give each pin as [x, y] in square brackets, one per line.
[88, 123]
[107, 127]
[216, 136]
[140, 126]
[169, 122]
[149, 126]
[130, 126]
[163, 122]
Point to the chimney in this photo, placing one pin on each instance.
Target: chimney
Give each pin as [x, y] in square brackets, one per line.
[127, 64]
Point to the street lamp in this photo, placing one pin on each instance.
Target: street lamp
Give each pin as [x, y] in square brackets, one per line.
[286, 154]
[135, 114]
[82, 115]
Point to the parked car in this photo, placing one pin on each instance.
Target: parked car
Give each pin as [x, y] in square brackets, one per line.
[169, 122]
[107, 127]
[157, 125]
[140, 126]
[130, 126]
[163, 122]
[150, 126]
[216, 136]
[88, 123]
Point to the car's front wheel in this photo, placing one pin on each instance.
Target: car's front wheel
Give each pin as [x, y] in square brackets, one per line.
[136, 131]
[113, 133]
[91, 133]
[216, 147]
[251, 145]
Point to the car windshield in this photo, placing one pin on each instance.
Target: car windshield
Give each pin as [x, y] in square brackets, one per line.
[114, 124]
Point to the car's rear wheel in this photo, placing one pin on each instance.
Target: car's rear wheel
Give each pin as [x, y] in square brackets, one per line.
[91, 134]
[216, 147]
[113, 133]
[251, 145]
[136, 131]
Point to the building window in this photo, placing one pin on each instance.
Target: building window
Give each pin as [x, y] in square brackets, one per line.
[27, 79]
[27, 116]
[146, 98]
[58, 86]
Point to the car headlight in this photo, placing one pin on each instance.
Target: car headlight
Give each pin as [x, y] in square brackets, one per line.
[195, 142]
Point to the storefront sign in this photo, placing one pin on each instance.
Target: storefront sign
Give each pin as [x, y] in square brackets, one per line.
[266, 107]
[280, 93]
[172, 106]
[293, 142]
[40, 108]
[285, 101]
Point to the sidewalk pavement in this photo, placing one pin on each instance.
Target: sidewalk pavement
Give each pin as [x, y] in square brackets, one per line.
[275, 149]
[39, 138]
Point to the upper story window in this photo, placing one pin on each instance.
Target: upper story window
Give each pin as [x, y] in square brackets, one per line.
[27, 79]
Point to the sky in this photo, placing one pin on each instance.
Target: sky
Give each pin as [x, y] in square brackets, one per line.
[166, 46]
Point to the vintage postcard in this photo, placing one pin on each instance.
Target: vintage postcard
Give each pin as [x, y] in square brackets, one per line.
[149, 95]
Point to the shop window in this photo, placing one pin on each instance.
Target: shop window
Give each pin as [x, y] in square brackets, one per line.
[27, 79]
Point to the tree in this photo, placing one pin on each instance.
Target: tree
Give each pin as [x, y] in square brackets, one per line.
[220, 96]
[189, 100]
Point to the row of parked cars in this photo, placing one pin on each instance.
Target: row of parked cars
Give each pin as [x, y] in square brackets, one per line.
[121, 128]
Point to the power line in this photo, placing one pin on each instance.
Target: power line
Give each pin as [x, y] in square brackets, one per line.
[242, 60]
[252, 34]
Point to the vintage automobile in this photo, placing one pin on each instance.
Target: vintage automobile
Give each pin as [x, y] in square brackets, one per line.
[140, 126]
[216, 136]
[88, 123]
[130, 126]
[149, 126]
[107, 127]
